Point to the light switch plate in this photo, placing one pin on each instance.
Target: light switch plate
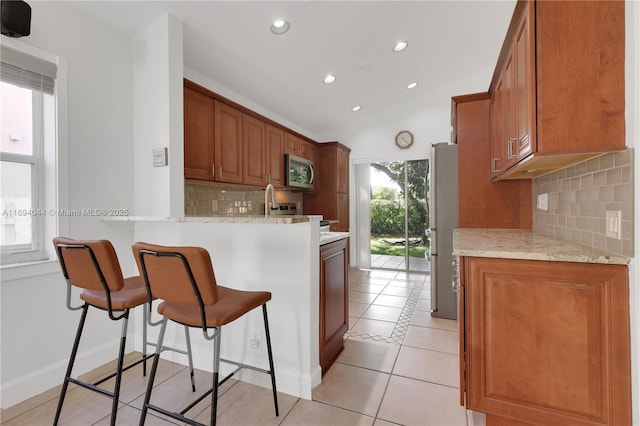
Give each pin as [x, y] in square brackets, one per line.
[543, 201]
[614, 224]
[160, 157]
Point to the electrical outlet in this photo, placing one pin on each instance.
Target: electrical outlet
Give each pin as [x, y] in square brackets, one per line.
[254, 339]
[543, 202]
[614, 224]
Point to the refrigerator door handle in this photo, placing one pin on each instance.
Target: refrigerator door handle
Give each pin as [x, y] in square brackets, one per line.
[434, 283]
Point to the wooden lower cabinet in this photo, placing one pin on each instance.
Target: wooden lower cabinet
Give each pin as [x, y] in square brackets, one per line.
[546, 343]
[334, 301]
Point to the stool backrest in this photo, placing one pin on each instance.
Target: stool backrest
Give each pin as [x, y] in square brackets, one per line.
[177, 274]
[89, 264]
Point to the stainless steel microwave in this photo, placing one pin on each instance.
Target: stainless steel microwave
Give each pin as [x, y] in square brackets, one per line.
[299, 172]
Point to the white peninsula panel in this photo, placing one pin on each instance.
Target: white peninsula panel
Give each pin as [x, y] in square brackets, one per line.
[276, 257]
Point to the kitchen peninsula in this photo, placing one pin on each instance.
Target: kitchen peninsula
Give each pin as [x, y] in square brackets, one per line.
[277, 254]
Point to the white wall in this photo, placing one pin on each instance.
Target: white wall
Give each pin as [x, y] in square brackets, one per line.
[37, 330]
[157, 71]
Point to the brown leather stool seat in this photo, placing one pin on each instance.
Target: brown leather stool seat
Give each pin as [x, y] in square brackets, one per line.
[93, 266]
[183, 278]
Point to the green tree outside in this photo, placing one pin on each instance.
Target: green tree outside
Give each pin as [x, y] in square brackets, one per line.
[387, 209]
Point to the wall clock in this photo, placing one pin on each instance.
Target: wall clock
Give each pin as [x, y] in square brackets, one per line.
[404, 139]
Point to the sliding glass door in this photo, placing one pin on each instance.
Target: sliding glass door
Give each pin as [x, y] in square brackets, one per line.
[399, 215]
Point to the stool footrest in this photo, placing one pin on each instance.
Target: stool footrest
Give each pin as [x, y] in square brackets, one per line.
[133, 364]
[241, 365]
[174, 415]
[181, 415]
[91, 386]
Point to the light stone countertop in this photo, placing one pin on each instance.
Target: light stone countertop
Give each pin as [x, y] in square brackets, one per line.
[526, 245]
[330, 237]
[276, 219]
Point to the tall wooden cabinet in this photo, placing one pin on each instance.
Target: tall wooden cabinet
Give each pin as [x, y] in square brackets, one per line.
[558, 88]
[545, 343]
[332, 200]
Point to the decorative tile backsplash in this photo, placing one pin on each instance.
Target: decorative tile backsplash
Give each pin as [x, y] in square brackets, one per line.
[579, 197]
[210, 200]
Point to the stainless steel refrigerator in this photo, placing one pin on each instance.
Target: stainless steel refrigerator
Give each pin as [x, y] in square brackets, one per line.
[443, 218]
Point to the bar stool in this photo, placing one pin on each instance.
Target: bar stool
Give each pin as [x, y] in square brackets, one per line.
[93, 266]
[183, 278]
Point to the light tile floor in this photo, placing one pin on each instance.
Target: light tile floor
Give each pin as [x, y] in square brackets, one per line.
[399, 367]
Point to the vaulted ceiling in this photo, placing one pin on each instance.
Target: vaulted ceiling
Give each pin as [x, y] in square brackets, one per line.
[231, 43]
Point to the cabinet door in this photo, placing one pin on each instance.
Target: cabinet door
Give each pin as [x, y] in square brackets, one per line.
[198, 135]
[343, 170]
[509, 113]
[342, 210]
[306, 150]
[253, 146]
[290, 144]
[580, 75]
[228, 143]
[334, 306]
[525, 88]
[548, 342]
[275, 156]
[498, 154]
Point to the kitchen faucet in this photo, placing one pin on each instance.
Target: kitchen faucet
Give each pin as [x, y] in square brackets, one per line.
[274, 203]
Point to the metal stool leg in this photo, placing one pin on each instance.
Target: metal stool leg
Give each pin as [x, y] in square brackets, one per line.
[190, 357]
[154, 368]
[216, 372]
[272, 371]
[72, 360]
[116, 389]
[144, 339]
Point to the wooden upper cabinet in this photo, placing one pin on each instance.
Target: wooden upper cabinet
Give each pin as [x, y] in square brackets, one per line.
[498, 145]
[253, 139]
[297, 146]
[580, 81]
[547, 343]
[228, 143]
[525, 90]
[514, 99]
[198, 135]
[332, 199]
[274, 156]
[565, 60]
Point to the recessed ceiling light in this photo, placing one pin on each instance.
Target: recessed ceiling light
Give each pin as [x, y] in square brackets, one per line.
[400, 46]
[279, 26]
[330, 78]
[356, 108]
[412, 85]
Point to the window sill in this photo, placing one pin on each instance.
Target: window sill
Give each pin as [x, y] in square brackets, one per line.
[27, 270]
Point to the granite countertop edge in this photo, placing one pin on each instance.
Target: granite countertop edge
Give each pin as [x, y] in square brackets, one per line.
[219, 219]
[527, 245]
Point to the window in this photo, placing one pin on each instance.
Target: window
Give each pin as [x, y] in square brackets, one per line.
[27, 106]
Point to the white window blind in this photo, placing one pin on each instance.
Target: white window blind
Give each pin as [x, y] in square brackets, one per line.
[27, 71]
